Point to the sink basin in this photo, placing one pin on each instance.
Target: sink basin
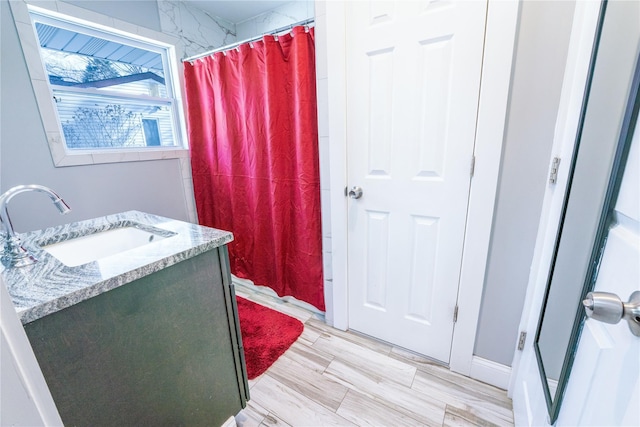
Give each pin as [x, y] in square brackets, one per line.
[92, 247]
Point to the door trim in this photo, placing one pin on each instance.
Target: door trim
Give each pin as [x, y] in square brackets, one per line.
[502, 19]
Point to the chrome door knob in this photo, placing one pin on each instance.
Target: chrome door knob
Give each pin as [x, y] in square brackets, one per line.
[355, 192]
[609, 308]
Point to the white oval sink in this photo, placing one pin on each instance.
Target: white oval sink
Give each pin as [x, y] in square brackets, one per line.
[92, 247]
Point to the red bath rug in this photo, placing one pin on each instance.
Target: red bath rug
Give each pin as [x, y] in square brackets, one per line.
[266, 335]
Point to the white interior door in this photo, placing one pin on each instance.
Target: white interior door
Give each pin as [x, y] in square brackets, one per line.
[603, 388]
[413, 78]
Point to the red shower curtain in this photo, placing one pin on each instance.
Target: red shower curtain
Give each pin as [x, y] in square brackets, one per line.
[254, 155]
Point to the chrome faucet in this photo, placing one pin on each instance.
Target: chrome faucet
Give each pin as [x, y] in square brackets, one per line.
[15, 255]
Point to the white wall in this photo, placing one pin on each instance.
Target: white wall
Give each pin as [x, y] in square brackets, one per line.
[540, 57]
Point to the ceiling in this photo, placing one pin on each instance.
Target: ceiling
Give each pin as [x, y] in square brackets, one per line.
[238, 10]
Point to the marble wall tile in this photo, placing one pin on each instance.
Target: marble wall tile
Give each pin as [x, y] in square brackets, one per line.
[325, 182]
[325, 202]
[323, 107]
[321, 49]
[325, 155]
[281, 16]
[197, 30]
[328, 298]
[327, 264]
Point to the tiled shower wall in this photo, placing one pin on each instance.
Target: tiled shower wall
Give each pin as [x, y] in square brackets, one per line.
[323, 140]
[279, 17]
[198, 31]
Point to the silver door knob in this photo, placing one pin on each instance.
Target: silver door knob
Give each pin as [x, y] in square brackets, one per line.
[355, 192]
[607, 307]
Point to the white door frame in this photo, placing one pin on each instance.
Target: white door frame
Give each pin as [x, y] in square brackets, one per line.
[502, 20]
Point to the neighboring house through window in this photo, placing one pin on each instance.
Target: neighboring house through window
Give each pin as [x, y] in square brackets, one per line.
[113, 92]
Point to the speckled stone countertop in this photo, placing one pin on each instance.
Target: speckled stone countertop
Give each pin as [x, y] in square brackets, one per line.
[49, 286]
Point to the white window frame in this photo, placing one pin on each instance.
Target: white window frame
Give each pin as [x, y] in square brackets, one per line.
[62, 156]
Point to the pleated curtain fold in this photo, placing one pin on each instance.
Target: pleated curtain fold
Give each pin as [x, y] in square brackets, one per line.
[253, 133]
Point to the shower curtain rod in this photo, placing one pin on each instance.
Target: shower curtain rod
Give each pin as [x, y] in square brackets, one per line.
[236, 44]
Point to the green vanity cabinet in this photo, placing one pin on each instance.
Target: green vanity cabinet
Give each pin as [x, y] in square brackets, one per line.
[163, 350]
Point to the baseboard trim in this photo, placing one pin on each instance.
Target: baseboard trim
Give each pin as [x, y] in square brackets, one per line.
[489, 372]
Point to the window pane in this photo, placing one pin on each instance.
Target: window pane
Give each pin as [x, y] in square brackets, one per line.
[151, 132]
[86, 61]
[101, 121]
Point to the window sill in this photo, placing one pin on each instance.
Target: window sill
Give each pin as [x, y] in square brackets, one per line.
[63, 157]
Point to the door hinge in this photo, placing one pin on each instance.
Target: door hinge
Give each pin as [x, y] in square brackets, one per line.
[553, 175]
[455, 314]
[522, 340]
[473, 165]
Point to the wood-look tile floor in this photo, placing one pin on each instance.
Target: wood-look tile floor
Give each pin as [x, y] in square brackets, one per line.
[333, 378]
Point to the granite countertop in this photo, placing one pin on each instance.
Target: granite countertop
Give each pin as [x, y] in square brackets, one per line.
[49, 286]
